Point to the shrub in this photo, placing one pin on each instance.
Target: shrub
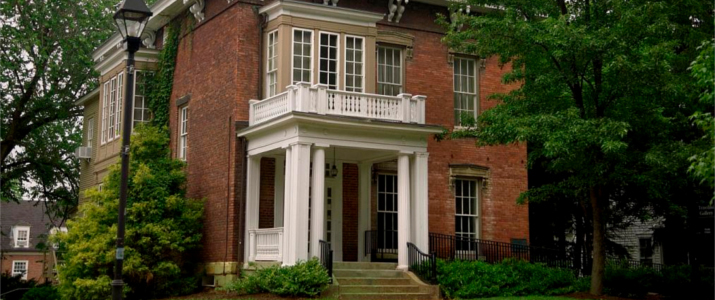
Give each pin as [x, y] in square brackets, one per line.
[46, 292]
[620, 280]
[304, 279]
[163, 229]
[476, 279]
[682, 281]
[9, 283]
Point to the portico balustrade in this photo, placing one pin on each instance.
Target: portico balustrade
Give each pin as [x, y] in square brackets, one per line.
[318, 99]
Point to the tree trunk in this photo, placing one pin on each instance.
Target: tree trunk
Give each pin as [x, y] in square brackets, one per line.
[599, 241]
[578, 249]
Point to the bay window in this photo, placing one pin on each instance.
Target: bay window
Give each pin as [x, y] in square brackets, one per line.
[302, 55]
[328, 60]
[272, 64]
[354, 64]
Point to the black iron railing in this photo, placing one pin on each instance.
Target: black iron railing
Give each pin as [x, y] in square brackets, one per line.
[381, 245]
[326, 258]
[422, 264]
[451, 247]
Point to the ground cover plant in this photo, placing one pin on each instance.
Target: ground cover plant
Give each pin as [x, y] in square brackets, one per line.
[304, 279]
[477, 279]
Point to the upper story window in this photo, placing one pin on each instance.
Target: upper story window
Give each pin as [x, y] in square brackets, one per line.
[21, 236]
[465, 88]
[141, 110]
[183, 131]
[112, 108]
[302, 55]
[272, 64]
[90, 132]
[354, 66]
[389, 71]
[328, 61]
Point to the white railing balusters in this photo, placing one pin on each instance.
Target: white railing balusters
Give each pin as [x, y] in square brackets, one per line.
[266, 244]
[318, 99]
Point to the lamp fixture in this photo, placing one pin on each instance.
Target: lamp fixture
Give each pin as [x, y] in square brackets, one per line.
[334, 169]
[131, 18]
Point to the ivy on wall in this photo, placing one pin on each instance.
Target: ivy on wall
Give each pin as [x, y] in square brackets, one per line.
[162, 84]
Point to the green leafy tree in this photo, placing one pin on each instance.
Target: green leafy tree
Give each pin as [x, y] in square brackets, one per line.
[703, 70]
[603, 96]
[163, 229]
[45, 66]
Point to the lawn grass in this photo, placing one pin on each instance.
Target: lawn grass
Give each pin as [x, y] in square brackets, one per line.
[529, 298]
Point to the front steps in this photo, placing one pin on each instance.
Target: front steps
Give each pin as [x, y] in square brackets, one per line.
[354, 280]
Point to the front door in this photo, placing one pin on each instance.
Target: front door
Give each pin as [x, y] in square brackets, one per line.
[386, 217]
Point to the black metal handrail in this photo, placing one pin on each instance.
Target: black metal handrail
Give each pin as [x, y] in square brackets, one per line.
[451, 247]
[326, 258]
[422, 264]
[381, 245]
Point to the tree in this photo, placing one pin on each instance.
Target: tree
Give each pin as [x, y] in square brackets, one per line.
[703, 70]
[45, 66]
[603, 97]
[163, 229]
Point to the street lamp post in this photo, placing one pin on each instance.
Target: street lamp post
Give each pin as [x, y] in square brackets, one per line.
[131, 18]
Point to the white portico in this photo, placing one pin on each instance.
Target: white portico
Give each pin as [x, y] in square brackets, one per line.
[308, 126]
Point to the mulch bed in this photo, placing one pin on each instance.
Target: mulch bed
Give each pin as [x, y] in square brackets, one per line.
[210, 294]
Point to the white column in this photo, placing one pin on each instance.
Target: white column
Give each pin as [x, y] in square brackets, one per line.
[413, 217]
[403, 209]
[278, 191]
[421, 201]
[317, 218]
[364, 170]
[253, 186]
[287, 209]
[299, 186]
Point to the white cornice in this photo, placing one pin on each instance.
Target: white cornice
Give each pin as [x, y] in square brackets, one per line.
[321, 12]
[86, 97]
[118, 56]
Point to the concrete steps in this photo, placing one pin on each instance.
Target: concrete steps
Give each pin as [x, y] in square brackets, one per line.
[357, 280]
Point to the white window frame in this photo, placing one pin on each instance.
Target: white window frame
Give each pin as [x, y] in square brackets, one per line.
[120, 102]
[272, 63]
[292, 55]
[15, 272]
[105, 113]
[183, 131]
[458, 89]
[143, 107]
[112, 108]
[353, 88]
[384, 65]
[474, 214]
[336, 59]
[90, 131]
[16, 236]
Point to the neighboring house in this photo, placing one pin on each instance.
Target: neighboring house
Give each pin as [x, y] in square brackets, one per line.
[23, 243]
[267, 94]
[639, 241]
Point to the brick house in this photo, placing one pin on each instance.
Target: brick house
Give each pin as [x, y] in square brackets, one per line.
[24, 230]
[267, 94]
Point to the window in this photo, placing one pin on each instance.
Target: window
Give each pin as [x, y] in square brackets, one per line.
[272, 67]
[112, 108]
[354, 64]
[387, 211]
[646, 250]
[328, 60]
[19, 267]
[21, 236]
[302, 49]
[389, 71]
[465, 91]
[183, 131]
[141, 111]
[466, 223]
[90, 131]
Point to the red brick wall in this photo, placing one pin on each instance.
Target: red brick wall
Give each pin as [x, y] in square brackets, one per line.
[267, 193]
[217, 66]
[35, 265]
[350, 212]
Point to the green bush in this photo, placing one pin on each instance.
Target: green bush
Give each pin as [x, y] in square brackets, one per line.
[476, 279]
[46, 292]
[163, 229]
[304, 279]
[679, 281]
[13, 283]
